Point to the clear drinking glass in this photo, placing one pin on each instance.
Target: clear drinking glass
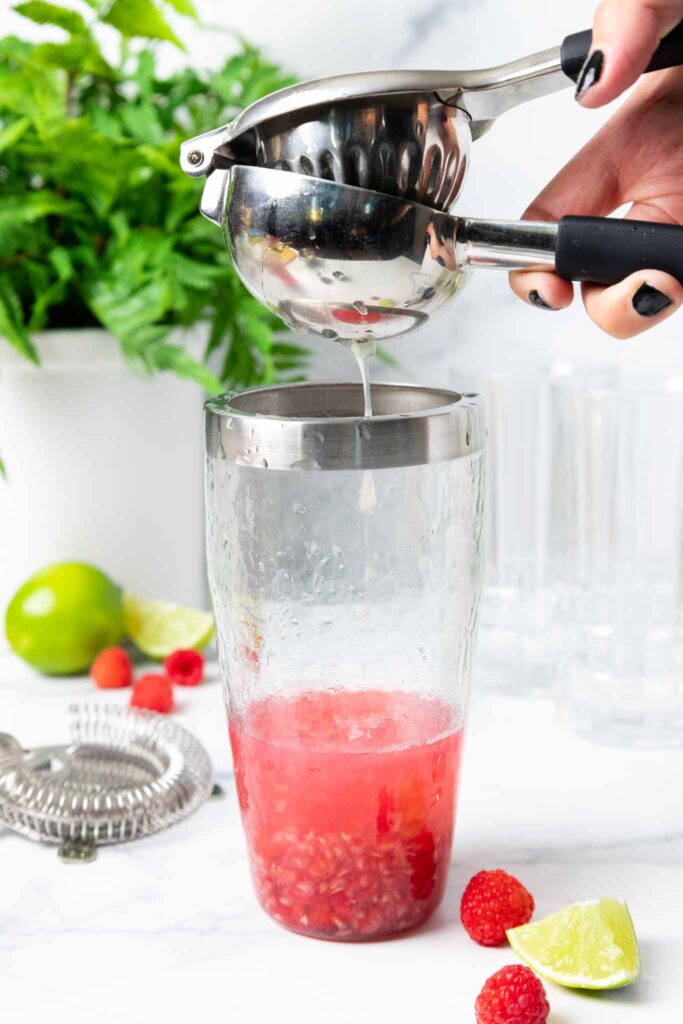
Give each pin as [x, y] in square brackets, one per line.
[345, 561]
[515, 654]
[615, 555]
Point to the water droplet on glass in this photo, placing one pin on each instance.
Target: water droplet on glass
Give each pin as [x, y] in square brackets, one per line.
[329, 333]
[360, 307]
[305, 464]
[260, 462]
[244, 459]
[336, 551]
[299, 508]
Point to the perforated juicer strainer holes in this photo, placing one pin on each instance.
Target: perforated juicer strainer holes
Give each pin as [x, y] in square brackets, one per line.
[125, 774]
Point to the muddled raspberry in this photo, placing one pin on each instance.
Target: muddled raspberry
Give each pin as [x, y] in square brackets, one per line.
[185, 667]
[348, 813]
[338, 886]
[112, 669]
[493, 902]
[153, 692]
[513, 995]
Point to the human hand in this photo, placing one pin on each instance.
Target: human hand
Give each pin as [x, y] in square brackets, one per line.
[637, 158]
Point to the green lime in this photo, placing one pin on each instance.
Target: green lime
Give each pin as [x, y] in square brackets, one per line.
[158, 627]
[62, 617]
[586, 945]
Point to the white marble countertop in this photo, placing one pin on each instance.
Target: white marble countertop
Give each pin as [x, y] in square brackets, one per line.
[167, 928]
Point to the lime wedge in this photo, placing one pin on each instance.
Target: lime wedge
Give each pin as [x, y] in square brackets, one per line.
[158, 627]
[586, 945]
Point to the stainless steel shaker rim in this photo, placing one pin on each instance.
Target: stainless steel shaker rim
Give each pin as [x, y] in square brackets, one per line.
[316, 425]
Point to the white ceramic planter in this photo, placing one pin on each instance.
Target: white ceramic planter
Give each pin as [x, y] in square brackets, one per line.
[103, 466]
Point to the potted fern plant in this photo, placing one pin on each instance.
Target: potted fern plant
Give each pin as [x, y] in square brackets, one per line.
[118, 308]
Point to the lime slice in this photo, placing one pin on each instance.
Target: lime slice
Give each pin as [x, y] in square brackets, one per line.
[586, 945]
[158, 627]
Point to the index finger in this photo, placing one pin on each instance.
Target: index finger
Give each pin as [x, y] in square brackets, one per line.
[625, 35]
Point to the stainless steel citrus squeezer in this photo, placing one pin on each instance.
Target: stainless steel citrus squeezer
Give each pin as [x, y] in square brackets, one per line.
[405, 133]
[334, 197]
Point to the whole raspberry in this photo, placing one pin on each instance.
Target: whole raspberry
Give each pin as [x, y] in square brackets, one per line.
[493, 902]
[153, 692]
[513, 995]
[185, 667]
[112, 669]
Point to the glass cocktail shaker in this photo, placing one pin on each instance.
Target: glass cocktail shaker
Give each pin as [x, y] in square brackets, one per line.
[345, 566]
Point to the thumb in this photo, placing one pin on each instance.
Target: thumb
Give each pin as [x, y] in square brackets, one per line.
[625, 35]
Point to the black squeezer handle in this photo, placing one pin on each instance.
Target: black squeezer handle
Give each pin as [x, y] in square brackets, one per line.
[606, 250]
[575, 49]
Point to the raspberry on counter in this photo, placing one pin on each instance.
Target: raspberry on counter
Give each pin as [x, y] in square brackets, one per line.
[185, 667]
[493, 902]
[112, 669]
[153, 692]
[513, 995]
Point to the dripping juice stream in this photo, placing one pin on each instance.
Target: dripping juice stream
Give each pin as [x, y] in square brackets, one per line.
[363, 352]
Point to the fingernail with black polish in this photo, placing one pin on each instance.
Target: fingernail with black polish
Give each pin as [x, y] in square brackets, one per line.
[590, 72]
[536, 300]
[649, 301]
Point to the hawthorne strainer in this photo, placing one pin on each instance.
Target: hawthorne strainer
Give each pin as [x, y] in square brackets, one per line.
[123, 775]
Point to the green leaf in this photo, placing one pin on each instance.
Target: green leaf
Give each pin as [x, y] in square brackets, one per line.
[13, 132]
[140, 18]
[142, 123]
[62, 262]
[44, 13]
[173, 357]
[34, 206]
[127, 310]
[77, 55]
[385, 357]
[185, 7]
[12, 325]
